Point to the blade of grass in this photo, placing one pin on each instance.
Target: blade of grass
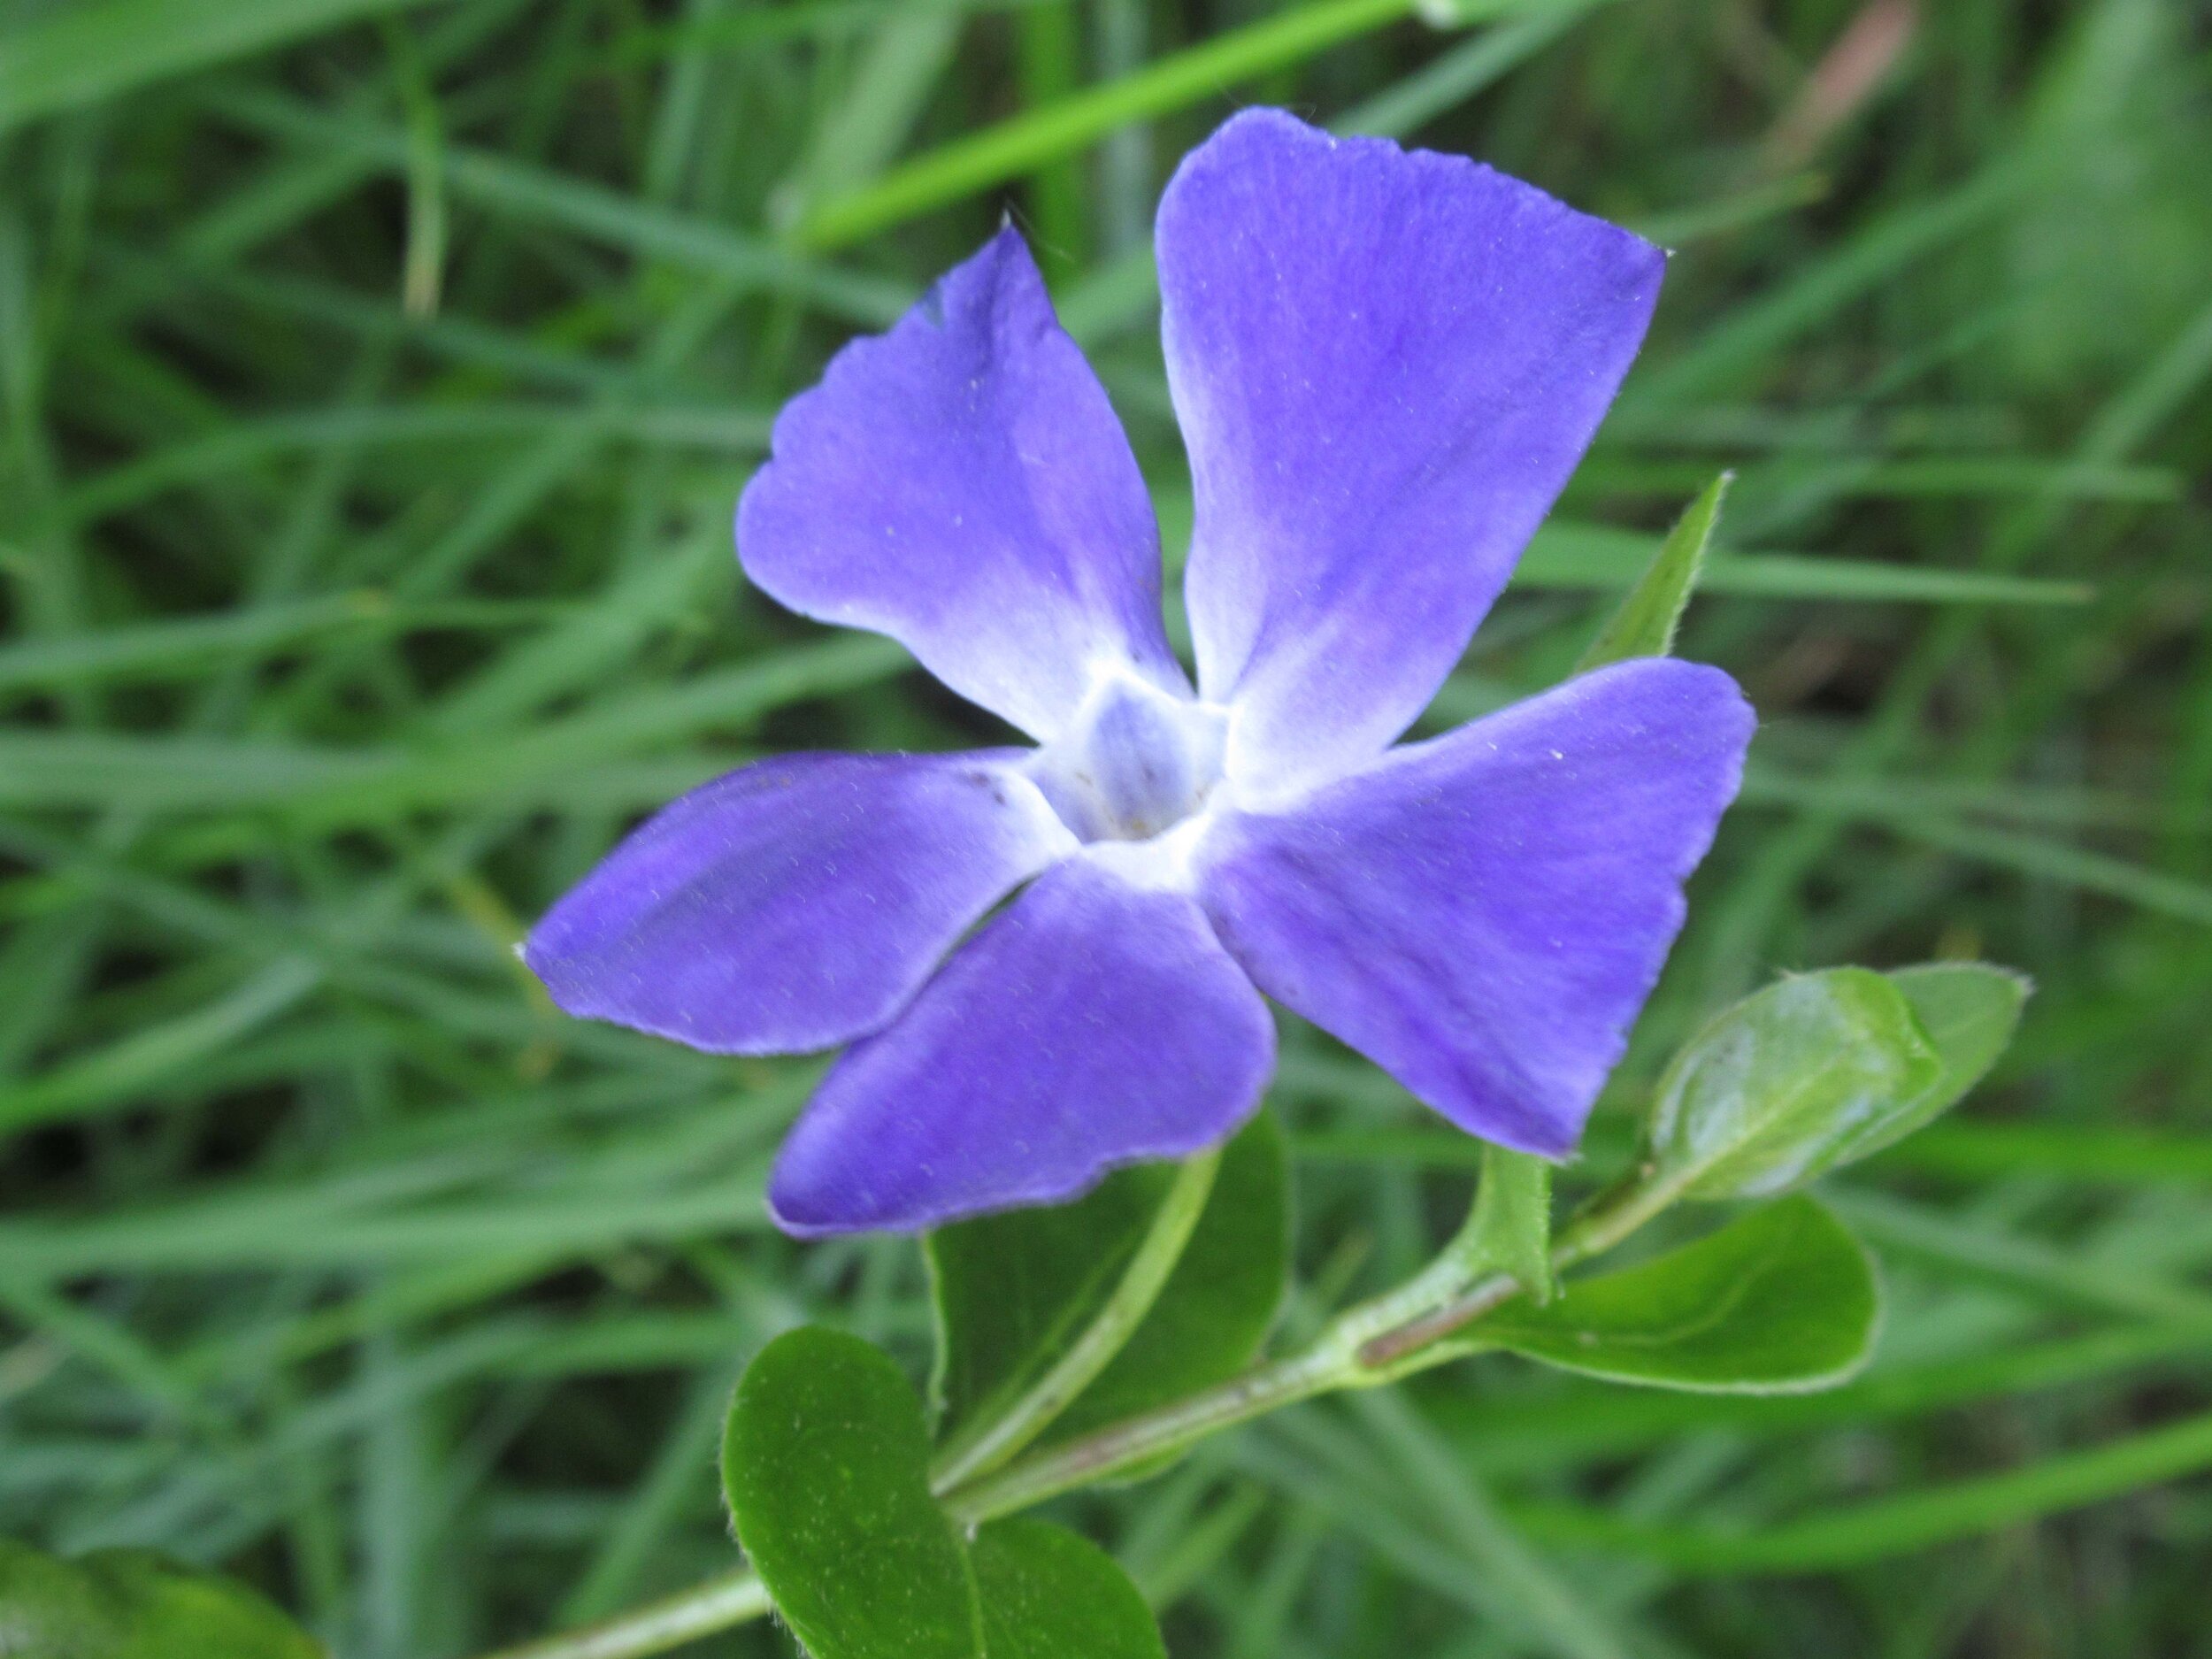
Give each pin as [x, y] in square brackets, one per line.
[1570, 557]
[1564, 1622]
[681, 1475]
[109, 1080]
[537, 195]
[1039, 136]
[2013, 1260]
[1856, 1535]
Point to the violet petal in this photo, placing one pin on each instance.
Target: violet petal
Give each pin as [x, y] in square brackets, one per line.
[1092, 1025]
[797, 904]
[962, 484]
[1483, 914]
[1385, 364]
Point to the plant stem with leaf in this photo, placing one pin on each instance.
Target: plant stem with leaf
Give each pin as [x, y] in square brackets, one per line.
[1379, 1341]
[1393, 1335]
[970, 1455]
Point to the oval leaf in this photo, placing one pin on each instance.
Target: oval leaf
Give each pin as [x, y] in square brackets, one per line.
[1968, 1012]
[134, 1604]
[48, 1606]
[1781, 1301]
[1013, 1291]
[1788, 1083]
[826, 1463]
[1048, 1594]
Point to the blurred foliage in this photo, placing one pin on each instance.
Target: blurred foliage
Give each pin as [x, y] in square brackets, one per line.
[378, 379]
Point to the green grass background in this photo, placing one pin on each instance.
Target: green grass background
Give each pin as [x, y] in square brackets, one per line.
[378, 379]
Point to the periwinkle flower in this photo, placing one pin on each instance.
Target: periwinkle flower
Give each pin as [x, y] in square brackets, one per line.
[1386, 365]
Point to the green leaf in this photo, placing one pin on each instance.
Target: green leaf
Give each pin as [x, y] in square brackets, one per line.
[1048, 1594]
[1791, 1081]
[1781, 1301]
[1968, 1011]
[1013, 1291]
[1217, 1308]
[48, 1608]
[826, 1463]
[1510, 1229]
[134, 1604]
[1645, 624]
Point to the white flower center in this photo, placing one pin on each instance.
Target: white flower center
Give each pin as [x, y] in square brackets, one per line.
[1136, 762]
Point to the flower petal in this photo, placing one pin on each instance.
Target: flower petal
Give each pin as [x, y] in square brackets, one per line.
[1483, 915]
[962, 484]
[797, 904]
[1093, 1025]
[1386, 363]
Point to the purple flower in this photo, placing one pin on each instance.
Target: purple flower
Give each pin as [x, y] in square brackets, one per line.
[1386, 365]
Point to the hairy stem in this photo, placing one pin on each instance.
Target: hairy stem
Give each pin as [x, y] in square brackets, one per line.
[970, 1457]
[1392, 1336]
[1133, 1440]
[718, 1604]
[1379, 1341]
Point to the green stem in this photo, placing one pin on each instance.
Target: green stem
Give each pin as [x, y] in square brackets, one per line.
[718, 1603]
[1356, 1351]
[1609, 1219]
[1392, 1336]
[968, 1456]
[1379, 1341]
[1612, 1216]
[1136, 1440]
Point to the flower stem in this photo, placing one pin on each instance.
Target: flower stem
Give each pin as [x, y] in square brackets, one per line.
[1135, 1439]
[1392, 1336]
[970, 1457]
[1609, 1219]
[718, 1604]
[1379, 1341]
